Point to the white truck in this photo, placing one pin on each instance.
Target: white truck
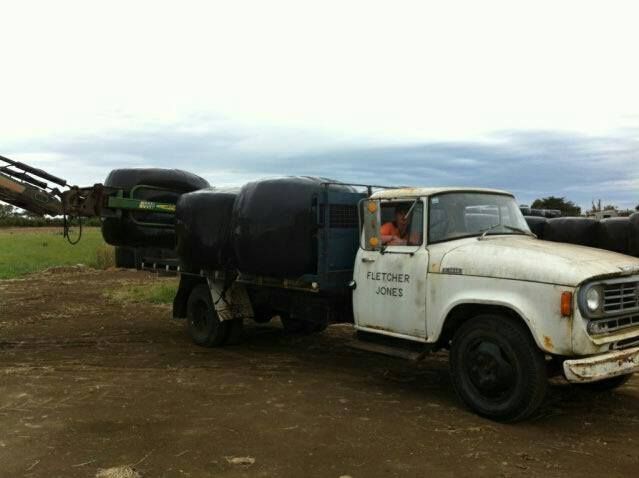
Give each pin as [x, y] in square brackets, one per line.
[457, 269]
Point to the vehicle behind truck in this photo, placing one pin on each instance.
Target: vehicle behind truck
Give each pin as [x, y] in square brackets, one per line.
[464, 274]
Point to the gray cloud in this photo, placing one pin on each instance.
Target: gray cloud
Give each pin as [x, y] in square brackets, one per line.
[531, 164]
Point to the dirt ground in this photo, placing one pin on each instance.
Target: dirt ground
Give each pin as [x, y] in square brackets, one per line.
[87, 384]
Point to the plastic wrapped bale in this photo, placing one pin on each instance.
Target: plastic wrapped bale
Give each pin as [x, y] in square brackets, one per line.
[275, 225]
[614, 234]
[148, 229]
[203, 228]
[537, 225]
[633, 235]
[574, 230]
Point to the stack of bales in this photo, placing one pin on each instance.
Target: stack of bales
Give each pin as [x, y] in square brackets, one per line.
[267, 228]
[618, 234]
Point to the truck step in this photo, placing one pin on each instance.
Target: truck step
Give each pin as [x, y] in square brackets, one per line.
[383, 349]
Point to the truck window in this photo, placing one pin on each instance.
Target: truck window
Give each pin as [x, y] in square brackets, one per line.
[402, 223]
[456, 215]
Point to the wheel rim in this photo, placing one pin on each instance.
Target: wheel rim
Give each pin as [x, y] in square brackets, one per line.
[490, 369]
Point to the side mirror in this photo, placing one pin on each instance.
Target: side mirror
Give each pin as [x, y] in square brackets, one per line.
[371, 222]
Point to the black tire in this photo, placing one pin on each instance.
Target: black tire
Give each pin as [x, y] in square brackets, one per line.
[202, 322]
[606, 385]
[497, 369]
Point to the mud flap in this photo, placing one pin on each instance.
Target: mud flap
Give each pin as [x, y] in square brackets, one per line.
[232, 302]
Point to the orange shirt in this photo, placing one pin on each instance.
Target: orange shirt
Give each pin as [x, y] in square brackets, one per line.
[389, 229]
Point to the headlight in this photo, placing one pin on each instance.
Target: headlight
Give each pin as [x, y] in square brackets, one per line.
[593, 299]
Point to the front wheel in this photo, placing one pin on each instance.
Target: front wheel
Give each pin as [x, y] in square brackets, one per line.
[497, 369]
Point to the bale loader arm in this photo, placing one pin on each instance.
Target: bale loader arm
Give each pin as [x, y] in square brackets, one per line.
[29, 188]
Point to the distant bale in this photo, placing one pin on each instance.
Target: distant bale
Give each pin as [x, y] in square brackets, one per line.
[614, 234]
[573, 230]
[633, 235]
[537, 225]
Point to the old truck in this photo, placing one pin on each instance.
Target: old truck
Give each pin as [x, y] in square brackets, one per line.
[414, 269]
[467, 275]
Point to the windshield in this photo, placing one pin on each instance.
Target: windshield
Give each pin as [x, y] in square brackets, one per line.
[455, 215]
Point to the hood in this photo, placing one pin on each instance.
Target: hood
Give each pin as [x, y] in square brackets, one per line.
[529, 259]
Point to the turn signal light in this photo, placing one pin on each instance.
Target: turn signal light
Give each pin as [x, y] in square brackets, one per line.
[566, 304]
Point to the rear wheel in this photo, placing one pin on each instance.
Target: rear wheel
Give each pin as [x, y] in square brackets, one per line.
[202, 322]
[607, 384]
[497, 369]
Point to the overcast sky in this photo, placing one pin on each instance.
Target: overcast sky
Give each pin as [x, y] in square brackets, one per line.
[537, 97]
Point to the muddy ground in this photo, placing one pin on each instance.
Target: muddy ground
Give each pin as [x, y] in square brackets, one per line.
[88, 384]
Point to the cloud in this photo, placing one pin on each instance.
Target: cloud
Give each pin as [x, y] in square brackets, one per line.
[531, 164]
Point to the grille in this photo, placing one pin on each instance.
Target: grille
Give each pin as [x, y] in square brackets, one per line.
[606, 326]
[621, 297]
[342, 216]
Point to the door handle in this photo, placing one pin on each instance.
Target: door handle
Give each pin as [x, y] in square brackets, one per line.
[367, 259]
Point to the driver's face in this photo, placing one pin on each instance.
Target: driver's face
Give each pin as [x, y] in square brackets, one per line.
[401, 220]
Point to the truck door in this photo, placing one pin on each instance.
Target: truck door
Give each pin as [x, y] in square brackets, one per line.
[390, 270]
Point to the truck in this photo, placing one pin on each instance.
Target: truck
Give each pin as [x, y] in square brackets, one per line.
[469, 277]
[415, 270]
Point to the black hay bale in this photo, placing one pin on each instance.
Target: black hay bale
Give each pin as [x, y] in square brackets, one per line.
[633, 235]
[574, 230]
[614, 234]
[536, 225]
[275, 224]
[203, 228]
[166, 186]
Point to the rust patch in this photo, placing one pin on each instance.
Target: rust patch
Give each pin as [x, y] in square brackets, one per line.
[548, 342]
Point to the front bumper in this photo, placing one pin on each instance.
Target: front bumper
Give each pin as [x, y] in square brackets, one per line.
[602, 366]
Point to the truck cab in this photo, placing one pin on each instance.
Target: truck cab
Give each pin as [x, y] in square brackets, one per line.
[465, 273]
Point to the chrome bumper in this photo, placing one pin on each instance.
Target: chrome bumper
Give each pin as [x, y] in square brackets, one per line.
[602, 366]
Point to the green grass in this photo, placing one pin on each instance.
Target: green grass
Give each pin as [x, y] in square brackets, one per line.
[23, 251]
[159, 291]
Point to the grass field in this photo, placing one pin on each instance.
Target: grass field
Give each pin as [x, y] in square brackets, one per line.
[27, 250]
[159, 290]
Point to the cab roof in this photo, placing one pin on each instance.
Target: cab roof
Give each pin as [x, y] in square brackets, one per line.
[420, 192]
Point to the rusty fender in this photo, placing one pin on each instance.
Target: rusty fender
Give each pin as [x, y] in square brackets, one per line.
[599, 367]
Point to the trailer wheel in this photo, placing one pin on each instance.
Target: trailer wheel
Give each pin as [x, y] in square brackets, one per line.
[497, 369]
[606, 385]
[202, 322]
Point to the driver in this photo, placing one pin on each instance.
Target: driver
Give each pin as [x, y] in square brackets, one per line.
[396, 232]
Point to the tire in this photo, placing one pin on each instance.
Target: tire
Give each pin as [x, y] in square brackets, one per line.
[202, 322]
[497, 369]
[606, 385]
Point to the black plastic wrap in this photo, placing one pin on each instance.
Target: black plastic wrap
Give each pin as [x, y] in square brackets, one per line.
[614, 234]
[633, 233]
[203, 228]
[537, 225]
[574, 230]
[275, 226]
[126, 230]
